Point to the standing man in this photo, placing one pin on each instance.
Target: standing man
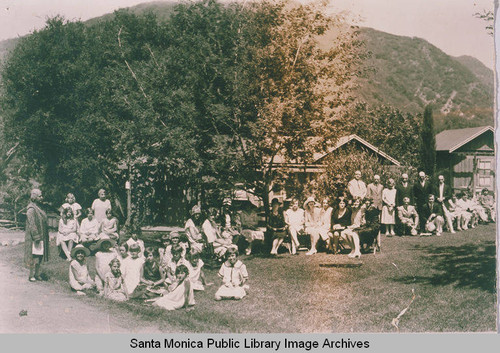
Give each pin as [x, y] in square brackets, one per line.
[374, 192]
[404, 190]
[443, 194]
[421, 191]
[357, 187]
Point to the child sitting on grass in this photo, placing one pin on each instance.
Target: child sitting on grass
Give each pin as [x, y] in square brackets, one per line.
[152, 278]
[234, 275]
[102, 260]
[131, 268]
[79, 278]
[114, 285]
[196, 275]
[174, 263]
[181, 296]
[109, 226]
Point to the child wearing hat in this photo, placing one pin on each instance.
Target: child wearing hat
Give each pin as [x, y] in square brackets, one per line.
[102, 260]
[234, 275]
[79, 277]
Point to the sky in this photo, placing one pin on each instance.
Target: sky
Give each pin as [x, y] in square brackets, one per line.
[448, 24]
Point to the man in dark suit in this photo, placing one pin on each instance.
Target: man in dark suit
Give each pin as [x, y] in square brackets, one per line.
[404, 189]
[421, 190]
[443, 194]
[433, 216]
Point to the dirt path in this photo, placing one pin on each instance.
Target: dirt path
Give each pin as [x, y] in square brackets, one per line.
[51, 311]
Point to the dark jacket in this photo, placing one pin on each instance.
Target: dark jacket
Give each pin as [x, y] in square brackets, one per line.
[426, 210]
[421, 193]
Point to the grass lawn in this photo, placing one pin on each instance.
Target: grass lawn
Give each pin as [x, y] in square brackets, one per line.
[452, 279]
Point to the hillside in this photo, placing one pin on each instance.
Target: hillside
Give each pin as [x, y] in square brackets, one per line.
[407, 73]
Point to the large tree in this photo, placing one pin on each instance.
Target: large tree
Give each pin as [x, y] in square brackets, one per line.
[428, 151]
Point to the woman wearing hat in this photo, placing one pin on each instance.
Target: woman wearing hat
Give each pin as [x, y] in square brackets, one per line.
[79, 278]
[312, 224]
[36, 240]
[192, 229]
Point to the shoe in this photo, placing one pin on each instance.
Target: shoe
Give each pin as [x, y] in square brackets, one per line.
[80, 293]
[32, 279]
[452, 232]
[311, 252]
[438, 234]
[392, 233]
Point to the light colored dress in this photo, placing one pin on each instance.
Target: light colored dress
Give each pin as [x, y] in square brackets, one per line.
[74, 207]
[67, 231]
[195, 274]
[109, 229]
[176, 298]
[79, 277]
[114, 288]
[233, 278]
[194, 235]
[100, 208]
[89, 230]
[131, 271]
[102, 260]
[389, 199]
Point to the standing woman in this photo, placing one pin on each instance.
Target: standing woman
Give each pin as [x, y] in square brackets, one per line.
[389, 209]
[36, 242]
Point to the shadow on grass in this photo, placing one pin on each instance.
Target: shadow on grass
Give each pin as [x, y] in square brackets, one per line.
[466, 266]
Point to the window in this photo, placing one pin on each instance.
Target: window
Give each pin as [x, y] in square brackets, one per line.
[484, 181]
[484, 165]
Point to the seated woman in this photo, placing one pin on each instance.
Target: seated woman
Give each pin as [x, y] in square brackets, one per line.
[66, 235]
[487, 201]
[247, 221]
[152, 277]
[193, 230]
[454, 212]
[325, 218]
[408, 216]
[341, 219]
[350, 233]
[312, 224]
[109, 227]
[294, 219]
[231, 225]
[218, 242]
[276, 226]
[466, 214]
[369, 232]
[89, 229]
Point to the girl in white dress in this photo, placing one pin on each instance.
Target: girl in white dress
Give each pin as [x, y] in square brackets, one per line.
[114, 284]
[67, 233]
[388, 217]
[102, 260]
[181, 296]
[75, 206]
[109, 227]
[131, 269]
[89, 229]
[234, 275]
[196, 275]
[79, 278]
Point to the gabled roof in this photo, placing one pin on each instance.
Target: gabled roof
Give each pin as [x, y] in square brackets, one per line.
[346, 139]
[451, 140]
[317, 157]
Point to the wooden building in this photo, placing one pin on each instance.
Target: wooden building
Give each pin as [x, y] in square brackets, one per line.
[304, 173]
[467, 156]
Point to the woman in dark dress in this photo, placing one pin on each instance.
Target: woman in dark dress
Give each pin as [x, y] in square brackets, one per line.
[36, 241]
[341, 219]
[276, 225]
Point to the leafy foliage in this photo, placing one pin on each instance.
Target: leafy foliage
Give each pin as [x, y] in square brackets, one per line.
[428, 155]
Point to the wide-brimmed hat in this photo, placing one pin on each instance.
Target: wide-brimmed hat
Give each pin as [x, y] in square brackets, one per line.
[79, 247]
[174, 235]
[227, 202]
[195, 210]
[309, 199]
[98, 245]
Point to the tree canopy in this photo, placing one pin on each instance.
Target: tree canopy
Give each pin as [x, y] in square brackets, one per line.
[201, 101]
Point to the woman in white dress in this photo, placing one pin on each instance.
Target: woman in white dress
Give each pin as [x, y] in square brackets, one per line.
[67, 233]
[388, 217]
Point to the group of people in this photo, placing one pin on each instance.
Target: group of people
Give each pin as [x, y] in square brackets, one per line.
[166, 276]
[362, 211]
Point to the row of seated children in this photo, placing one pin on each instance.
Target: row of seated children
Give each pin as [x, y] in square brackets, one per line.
[88, 233]
[125, 274]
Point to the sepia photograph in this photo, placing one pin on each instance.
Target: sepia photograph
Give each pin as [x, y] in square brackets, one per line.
[248, 166]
